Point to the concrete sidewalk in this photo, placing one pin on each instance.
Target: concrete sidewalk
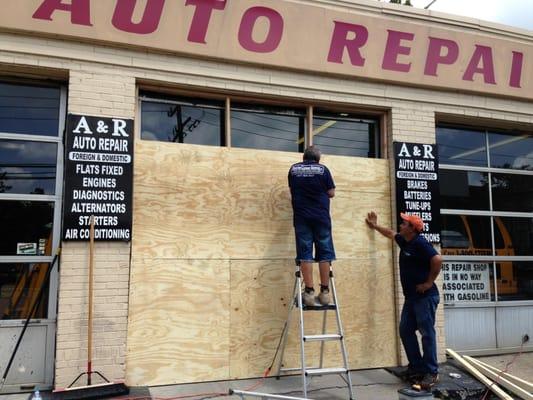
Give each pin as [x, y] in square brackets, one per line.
[371, 384]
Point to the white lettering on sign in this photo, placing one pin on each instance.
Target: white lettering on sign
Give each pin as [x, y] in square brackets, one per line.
[416, 185]
[98, 178]
[83, 125]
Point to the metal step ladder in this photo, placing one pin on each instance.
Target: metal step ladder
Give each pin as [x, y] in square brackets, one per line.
[306, 371]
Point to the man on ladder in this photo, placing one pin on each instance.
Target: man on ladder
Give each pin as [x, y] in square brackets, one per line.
[312, 188]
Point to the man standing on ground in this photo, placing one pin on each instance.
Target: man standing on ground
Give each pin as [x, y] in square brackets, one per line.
[420, 265]
[311, 188]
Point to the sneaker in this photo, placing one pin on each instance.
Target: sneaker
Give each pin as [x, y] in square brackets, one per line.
[323, 297]
[308, 298]
[427, 382]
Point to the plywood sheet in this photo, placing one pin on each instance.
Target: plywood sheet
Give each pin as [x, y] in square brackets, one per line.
[260, 292]
[212, 267]
[359, 174]
[352, 237]
[261, 224]
[182, 201]
[260, 295]
[178, 328]
[203, 202]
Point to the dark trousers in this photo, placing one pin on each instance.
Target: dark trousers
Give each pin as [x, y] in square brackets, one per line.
[419, 315]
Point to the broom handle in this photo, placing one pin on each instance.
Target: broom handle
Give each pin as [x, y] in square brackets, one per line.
[90, 320]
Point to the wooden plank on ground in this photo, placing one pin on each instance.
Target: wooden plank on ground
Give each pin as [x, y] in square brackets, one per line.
[487, 382]
[527, 386]
[499, 379]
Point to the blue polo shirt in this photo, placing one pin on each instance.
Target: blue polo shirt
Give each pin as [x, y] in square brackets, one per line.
[309, 182]
[415, 257]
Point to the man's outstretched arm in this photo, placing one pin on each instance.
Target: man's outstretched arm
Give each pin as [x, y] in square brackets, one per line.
[372, 222]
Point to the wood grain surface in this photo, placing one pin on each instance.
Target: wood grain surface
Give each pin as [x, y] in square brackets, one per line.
[213, 264]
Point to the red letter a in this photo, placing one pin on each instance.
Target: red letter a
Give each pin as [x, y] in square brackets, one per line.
[80, 11]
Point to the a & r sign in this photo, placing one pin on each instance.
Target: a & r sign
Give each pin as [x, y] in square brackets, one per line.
[98, 178]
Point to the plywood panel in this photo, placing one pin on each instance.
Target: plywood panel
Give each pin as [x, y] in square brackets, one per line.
[212, 268]
[178, 328]
[182, 201]
[203, 202]
[262, 223]
[358, 174]
[352, 237]
[261, 290]
[262, 216]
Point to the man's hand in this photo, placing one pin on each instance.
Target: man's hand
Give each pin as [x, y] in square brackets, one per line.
[423, 287]
[372, 219]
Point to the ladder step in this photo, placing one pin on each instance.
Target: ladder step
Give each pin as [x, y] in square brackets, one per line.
[326, 371]
[324, 338]
[317, 306]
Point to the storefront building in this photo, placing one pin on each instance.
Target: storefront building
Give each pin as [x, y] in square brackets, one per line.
[212, 101]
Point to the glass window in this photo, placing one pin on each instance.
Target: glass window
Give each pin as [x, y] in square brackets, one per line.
[511, 151]
[267, 128]
[26, 227]
[461, 146]
[27, 167]
[512, 192]
[466, 235]
[454, 234]
[515, 280]
[466, 190]
[194, 122]
[19, 290]
[517, 236]
[29, 109]
[481, 233]
[345, 135]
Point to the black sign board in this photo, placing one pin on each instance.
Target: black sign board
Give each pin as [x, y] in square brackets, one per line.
[98, 178]
[417, 185]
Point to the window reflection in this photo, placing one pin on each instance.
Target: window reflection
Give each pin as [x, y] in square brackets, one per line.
[512, 192]
[29, 109]
[466, 235]
[466, 190]
[267, 128]
[27, 227]
[515, 280]
[183, 123]
[27, 167]
[19, 290]
[345, 135]
[511, 151]
[517, 235]
[460, 146]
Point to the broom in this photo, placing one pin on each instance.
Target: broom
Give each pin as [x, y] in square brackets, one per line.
[91, 391]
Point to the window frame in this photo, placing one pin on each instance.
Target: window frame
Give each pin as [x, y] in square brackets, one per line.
[56, 198]
[376, 117]
[493, 259]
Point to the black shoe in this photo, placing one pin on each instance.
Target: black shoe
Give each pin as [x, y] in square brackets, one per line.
[427, 382]
[410, 375]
